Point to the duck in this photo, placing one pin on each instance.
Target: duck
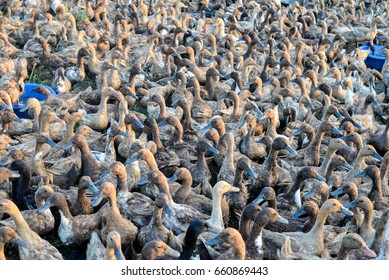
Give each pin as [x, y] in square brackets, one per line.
[267, 215]
[375, 194]
[353, 241]
[183, 214]
[155, 230]
[132, 205]
[38, 248]
[42, 223]
[155, 249]
[72, 230]
[97, 251]
[311, 242]
[112, 220]
[233, 237]
[310, 156]
[366, 230]
[8, 235]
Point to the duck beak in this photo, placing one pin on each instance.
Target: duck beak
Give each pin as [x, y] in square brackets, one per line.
[282, 220]
[20, 242]
[337, 192]
[344, 138]
[298, 132]
[338, 115]
[133, 96]
[290, 150]
[213, 150]
[162, 123]
[309, 194]
[348, 166]
[93, 188]
[14, 174]
[132, 159]
[118, 253]
[234, 189]
[315, 89]
[89, 54]
[328, 74]
[169, 251]
[346, 212]
[226, 76]
[105, 174]
[17, 119]
[172, 179]
[142, 181]
[259, 199]
[96, 201]
[169, 211]
[338, 84]
[43, 208]
[223, 96]
[297, 214]
[357, 125]
[205, 128]
[67, 146]
[368, 252]
[320, 178]
[6, 161]
[336, 131]
[351, 204]
[256, 110]
[309, 105]
[148, 100]
[377, 156]
[213, 241]
[125, 134]
[114, 68]
[360, 174]
[52, 143]
[139, 124]
[250, 172]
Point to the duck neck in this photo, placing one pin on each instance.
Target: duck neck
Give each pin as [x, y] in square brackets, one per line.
[343, 253]
[157, 138]
[178, 134]
[162, 112]
[88, 162]
[271, 162]
[238, 180]
[113, 204]
[23, 228]
[229, 157]
[65, 213]
[156, 220]
[314, 146]
[2, 255]
[317, 229]
[376, 191]
[216, 214]
[152, 163]
[367, 220]
[271, 129]
[183, 192]
[102, 112]
[209, 85]
[69, 132]
[381, 231]
[187, 122]
[122, 182]
[201, 162]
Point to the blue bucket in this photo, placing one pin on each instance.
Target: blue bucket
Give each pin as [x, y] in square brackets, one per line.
[375, 60]
[28, 93]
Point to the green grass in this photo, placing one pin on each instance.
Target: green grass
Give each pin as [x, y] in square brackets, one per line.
[81, 15]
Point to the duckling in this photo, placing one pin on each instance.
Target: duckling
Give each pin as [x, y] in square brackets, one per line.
[155, 230]
[97, 251]
[38, 248]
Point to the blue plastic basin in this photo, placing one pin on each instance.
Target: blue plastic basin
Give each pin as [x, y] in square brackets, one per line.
[28, 94]
[375, 60]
